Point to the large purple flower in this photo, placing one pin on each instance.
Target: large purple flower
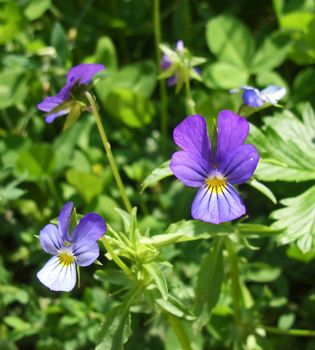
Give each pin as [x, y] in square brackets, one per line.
[79, 247]
[80, 75]
[216, 173]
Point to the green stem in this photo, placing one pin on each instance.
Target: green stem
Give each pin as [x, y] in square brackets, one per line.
[162, 83]
[190, 101]
[291, 332]
[115, 257]
[53, 190]
[180, 332]
[235, 284]
[109, 153]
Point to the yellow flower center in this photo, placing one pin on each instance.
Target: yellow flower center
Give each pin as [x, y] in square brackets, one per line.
[216, 184]
[66, 258]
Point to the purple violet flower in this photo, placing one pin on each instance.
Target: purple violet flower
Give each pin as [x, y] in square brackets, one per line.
[166, 63]
[196, 165]
[79, 247]
[256, 98]
[80, 75]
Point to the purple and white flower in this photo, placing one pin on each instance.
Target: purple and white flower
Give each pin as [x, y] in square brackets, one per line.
[256, 98]
[171, 58]
[69, 249]
[216, 173]
[80, 75]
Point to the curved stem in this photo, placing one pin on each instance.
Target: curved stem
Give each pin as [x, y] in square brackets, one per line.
[109, 153]
[291, 332]
[190, 101]
[162, 84]
[236, 289]
[180, 332]
[115, 257]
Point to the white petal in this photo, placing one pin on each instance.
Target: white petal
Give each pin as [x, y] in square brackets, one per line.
[57, 276]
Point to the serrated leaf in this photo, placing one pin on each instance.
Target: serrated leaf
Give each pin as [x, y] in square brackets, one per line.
[297, 220]
[290, 142]
[157, 174]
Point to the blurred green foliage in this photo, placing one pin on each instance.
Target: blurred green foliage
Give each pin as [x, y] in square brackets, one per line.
[245, 42]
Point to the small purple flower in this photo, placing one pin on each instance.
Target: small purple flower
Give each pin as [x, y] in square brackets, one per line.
[196, 165]
[166, 63]
[79, 247]
[80, 75]
[256, 98]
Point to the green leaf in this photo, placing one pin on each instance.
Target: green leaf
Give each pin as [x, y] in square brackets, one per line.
[257, 231]
[37, 162]
[263, 189]
[157, 174]
[139, 77]
[10, 21]
[272, 52]
[156, 273]
[169, 307]
[195, 229]
[106, 53]
[303, 87]
[115, 330]
[230, 40]
[13, 87]
[289, 142]
[88, 185]
[64, 145]
[59, 41]
[222, 75]
[209, 281]
[261, 272]
[36, 8]
[297, 220]
[270, 78]
[131, 108]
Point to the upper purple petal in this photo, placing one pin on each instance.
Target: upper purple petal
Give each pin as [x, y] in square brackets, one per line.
[190, 168]
[90, 228]
[86, 252]
[64, 220]
[232, 132]
[252, 98]
[50, 239]
[192, 135]
[240, 164]
[83, 73]
[212, 207]
[180, 45]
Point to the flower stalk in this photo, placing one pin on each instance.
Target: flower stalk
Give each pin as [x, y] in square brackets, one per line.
[162, 84]
[109, 153]
[235, 284]
[115, 257]
[191, 105]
